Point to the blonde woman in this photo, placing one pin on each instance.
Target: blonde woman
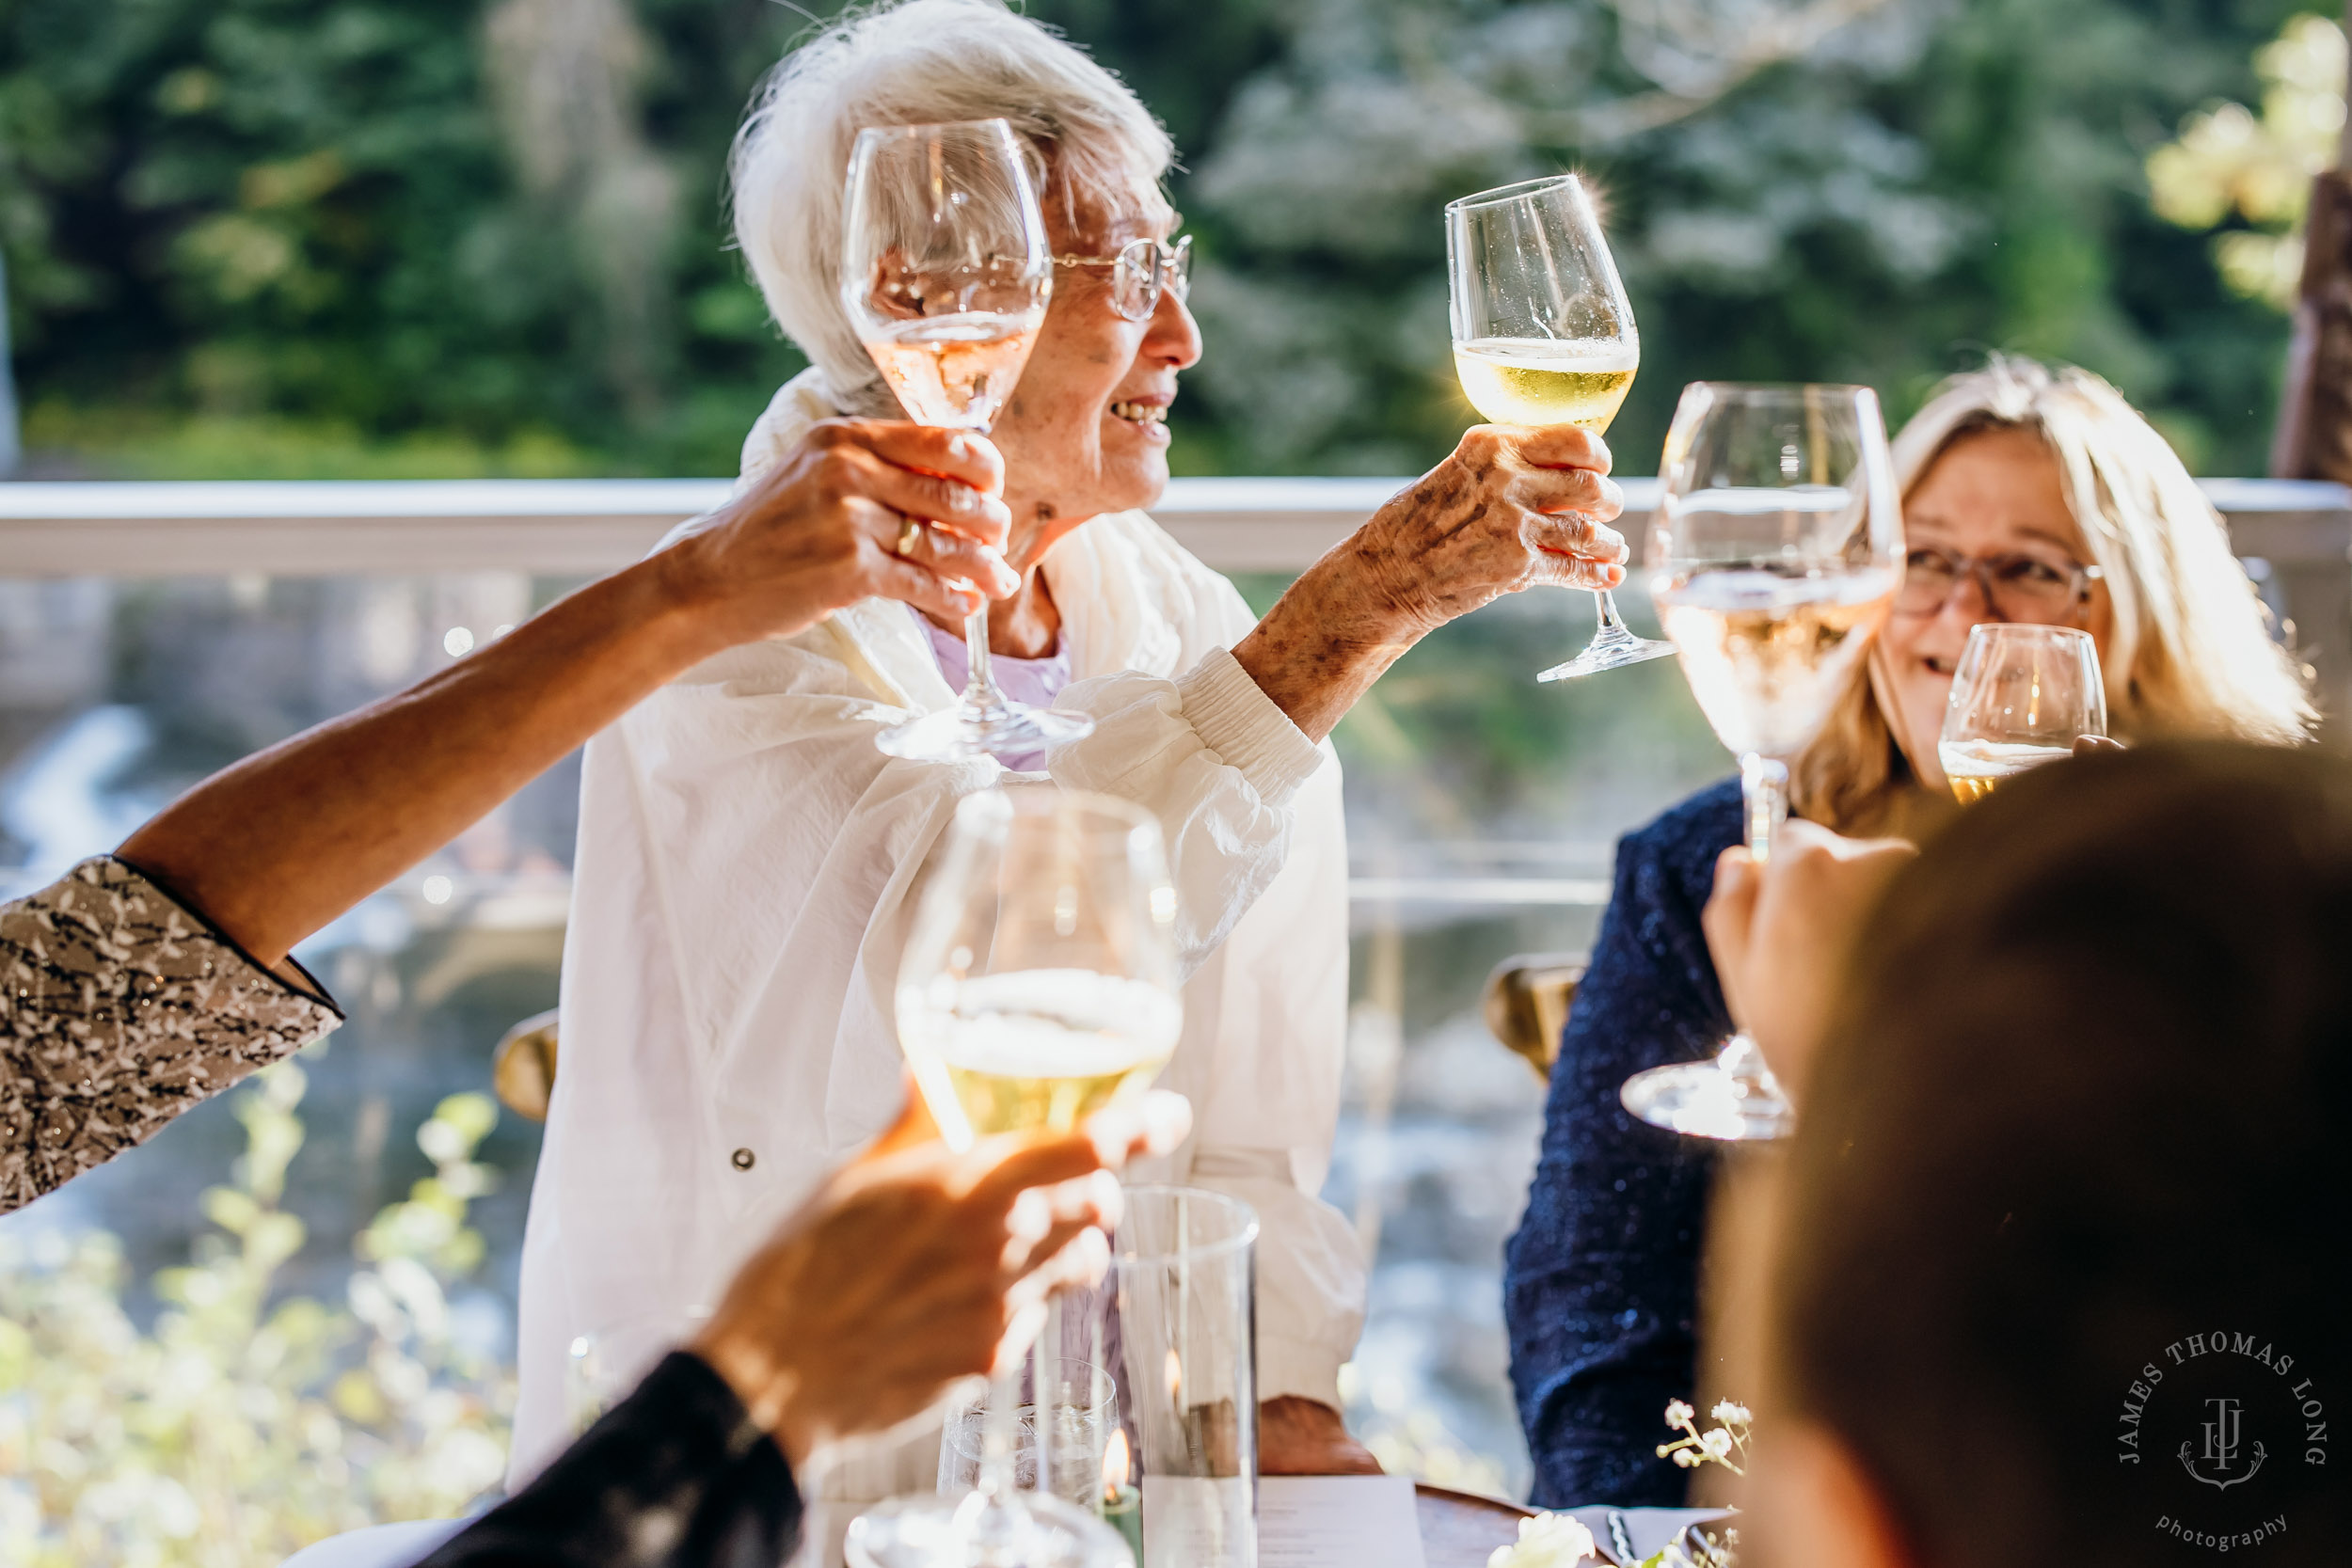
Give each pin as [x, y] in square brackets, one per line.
[2029, 494]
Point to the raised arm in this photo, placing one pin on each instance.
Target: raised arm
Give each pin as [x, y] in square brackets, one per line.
[283, 842]
[1512, 508]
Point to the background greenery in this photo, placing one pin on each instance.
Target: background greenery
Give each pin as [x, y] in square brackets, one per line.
[410, 237]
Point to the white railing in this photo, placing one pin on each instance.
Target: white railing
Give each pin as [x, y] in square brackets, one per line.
[2295, 536]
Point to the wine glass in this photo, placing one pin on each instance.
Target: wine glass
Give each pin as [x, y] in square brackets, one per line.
[1543, 335]
[1038, 986]
[946, 270]
[2023, 695]
[1773, 556]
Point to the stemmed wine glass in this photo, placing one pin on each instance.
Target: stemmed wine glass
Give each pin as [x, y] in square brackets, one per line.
[1543, 335]
[1039, 985]
[1773, 556]
[2022, 696]
[946, 270]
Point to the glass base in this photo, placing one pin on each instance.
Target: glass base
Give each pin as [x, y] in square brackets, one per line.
[1027, 1529]
[1610, 648]
[1725, 1098]
[954, 733]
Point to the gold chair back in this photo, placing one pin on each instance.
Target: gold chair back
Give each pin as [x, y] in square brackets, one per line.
[1527, 1001]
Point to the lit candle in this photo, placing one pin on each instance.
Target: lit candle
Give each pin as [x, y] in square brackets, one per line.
[1122, 1505]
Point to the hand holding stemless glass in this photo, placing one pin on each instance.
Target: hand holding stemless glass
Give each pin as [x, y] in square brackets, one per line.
[2023, 695]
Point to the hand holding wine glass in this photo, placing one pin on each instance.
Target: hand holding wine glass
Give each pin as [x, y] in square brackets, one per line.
[1543, 336]
[1773, 556]
[945, 271]
[1038, 988]
[2023, 696]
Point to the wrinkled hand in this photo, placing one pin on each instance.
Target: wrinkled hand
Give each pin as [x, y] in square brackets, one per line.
[1515, 506]
[820, 531]
[913, 1266]
[1306, 1437]
[1781, 934]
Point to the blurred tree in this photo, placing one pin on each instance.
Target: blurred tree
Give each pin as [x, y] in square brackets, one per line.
[489, 234]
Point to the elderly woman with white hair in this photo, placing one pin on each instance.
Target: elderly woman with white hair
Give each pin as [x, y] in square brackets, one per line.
[2029, 494]
[747, 860]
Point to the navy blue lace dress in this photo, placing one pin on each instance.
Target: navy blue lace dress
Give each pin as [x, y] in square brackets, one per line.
[1600, 1282]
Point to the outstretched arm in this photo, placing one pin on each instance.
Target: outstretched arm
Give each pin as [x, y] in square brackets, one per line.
[274, 848]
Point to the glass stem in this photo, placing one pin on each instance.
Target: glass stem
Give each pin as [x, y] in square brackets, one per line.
[1611, 624]
[1044, 1380]
[979, 694]
[1000, 1436]
[1764, 787]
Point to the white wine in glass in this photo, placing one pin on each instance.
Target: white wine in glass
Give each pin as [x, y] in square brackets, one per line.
[1039, 985]
[945, 273]
[1773, 557]
[2021, 698]
[1543, 336]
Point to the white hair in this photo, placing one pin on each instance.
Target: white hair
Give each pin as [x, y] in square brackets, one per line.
[915, 62]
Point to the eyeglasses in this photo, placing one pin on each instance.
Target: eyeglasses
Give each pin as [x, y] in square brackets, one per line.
[1140, 271]
[2017, 587]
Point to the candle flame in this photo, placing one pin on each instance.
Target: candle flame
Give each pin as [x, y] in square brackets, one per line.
[1114, 1466]
[1175, 1377]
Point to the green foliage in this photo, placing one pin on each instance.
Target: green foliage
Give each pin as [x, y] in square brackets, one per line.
[244, 1426]
[2231, 161]
[480, 232]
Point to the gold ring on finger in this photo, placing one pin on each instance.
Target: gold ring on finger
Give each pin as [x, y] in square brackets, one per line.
[909, 531]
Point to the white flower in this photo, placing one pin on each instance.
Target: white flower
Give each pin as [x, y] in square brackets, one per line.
[1717, 1443]
[1687, 1458]
[1730, 1414]
[1546, 1541]
[1679, 1414]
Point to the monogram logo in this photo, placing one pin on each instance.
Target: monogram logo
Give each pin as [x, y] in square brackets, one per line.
[2220, 1453]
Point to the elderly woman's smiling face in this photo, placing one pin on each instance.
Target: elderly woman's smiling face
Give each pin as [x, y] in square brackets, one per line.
[1086, 430]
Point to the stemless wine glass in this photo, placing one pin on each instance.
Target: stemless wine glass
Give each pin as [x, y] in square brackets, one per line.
[1543, 335]
[946, 270]
[1039, 985]
[2023, 695]
[1773, 556]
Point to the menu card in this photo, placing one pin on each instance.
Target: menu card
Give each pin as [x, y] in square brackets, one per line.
[1337, 1522]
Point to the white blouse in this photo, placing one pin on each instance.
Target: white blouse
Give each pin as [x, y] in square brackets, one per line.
[747, 871]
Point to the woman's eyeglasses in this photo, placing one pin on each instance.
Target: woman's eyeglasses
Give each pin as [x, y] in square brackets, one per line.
[1140, 271]
[2016, 587]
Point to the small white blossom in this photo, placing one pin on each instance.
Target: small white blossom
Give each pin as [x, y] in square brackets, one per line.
[1717, 1443]
[1546, 1541]
[1730, 1414]
[1679, 1414]
[1687, 1458]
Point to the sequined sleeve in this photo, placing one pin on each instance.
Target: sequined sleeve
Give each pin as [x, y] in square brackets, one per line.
[118, 1009]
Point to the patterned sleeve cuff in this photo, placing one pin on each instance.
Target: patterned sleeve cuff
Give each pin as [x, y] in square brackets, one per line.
[119, 1008]
[1245, 729]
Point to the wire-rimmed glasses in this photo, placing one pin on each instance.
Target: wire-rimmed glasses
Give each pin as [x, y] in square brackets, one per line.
[945, 271]
[2017, 585]
[1140, 271]
[2022, 696]
[1543, 335]
[1773, 556]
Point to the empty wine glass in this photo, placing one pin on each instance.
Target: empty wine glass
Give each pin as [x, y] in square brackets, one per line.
[1543, 335]
[1773, 556]
[945, 271]
[1038, 986]
[2022, 696]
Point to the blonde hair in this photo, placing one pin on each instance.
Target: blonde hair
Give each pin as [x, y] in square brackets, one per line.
[914, 62]
[2190, 652]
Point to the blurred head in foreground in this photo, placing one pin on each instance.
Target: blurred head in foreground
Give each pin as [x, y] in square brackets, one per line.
[2058, 1281]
